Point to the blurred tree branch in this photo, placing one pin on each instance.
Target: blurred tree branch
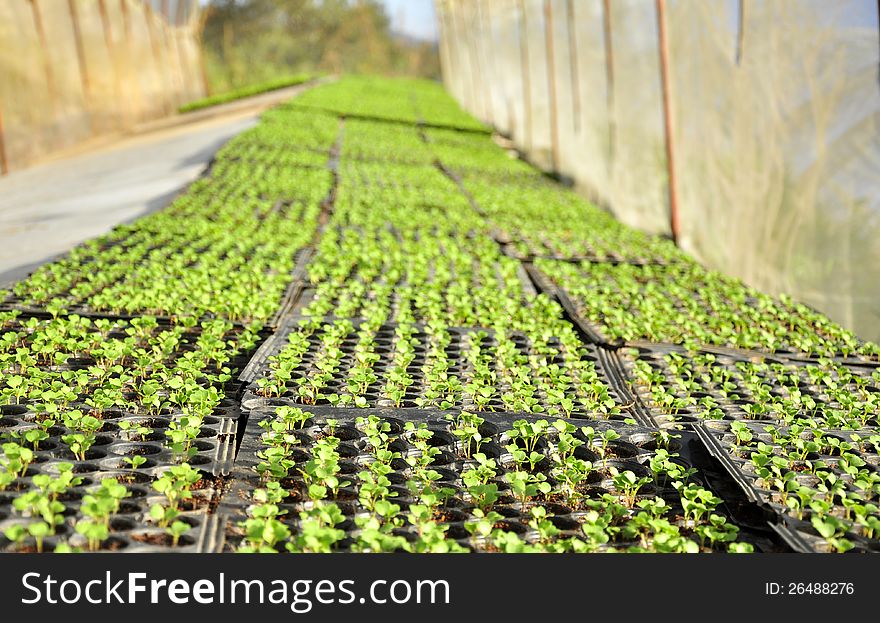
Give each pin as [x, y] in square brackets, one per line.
[248, 41]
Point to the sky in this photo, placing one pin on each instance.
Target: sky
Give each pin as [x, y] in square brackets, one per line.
[413, 17]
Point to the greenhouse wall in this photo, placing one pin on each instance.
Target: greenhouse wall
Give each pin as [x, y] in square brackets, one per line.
[74, 69]
[773, 130]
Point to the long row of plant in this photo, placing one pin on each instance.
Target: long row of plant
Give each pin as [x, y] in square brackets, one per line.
[414, 307]
[802, 436]
[407, 257]
[248, 91]
[224, 249]
[404, 100]
[108, 423]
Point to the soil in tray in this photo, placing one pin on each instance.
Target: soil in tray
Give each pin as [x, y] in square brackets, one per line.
[161, 539]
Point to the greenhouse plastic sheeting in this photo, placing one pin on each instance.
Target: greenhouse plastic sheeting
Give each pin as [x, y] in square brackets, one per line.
[73, 69]
[774, 106]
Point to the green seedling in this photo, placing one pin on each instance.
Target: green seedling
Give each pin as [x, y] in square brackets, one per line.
[466, 427]
[526, 486]
[628, 484]
[176, 485]
[135, 461]
[176, 530]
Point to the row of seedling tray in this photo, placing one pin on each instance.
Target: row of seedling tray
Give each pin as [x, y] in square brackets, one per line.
[456, 372]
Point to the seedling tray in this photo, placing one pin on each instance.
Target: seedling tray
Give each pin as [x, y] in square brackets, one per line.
[214, 449]
[588, 331]
[288, 301]
[798, 532]
[510, 250]
[96, 351]
[414, 122]
[131, 529]
[400, 294]
[694, 294]
[715, 381]
[298, 283]
[632, 451]
[418, 395]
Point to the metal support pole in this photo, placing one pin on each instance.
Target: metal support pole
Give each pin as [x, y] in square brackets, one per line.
[467, 40]
[526, 81]
[609, 77]
[114, 61]
[203, 69]
[443, 35]
[150, 17]
[4, 163]
[741, 30]
[44, 50]
[185, 78]
[470, 43]
[173, 67]
[455, 69]
[551, 80]
[128, 40]
[185, 66]
[488, 107]
[573, 66]
[81, 58]
[667, 119]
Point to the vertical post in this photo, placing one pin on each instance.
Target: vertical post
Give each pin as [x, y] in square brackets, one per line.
[181, 60]
[667, 119]
[469, 36]
[114, 61]
[180, 20]
[573, 66]
[551, 80]
[81, 58]
[150, 17]
[526, 82]
[609, 77]
[176, 80]
[44, 50]
[453, 70]
[741, 30]
[4, 163]
[203, 69]
[443, 36]
[126, 35]
[488, 108]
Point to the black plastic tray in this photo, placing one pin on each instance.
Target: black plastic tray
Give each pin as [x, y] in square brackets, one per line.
[607, 366]
[631, 451]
